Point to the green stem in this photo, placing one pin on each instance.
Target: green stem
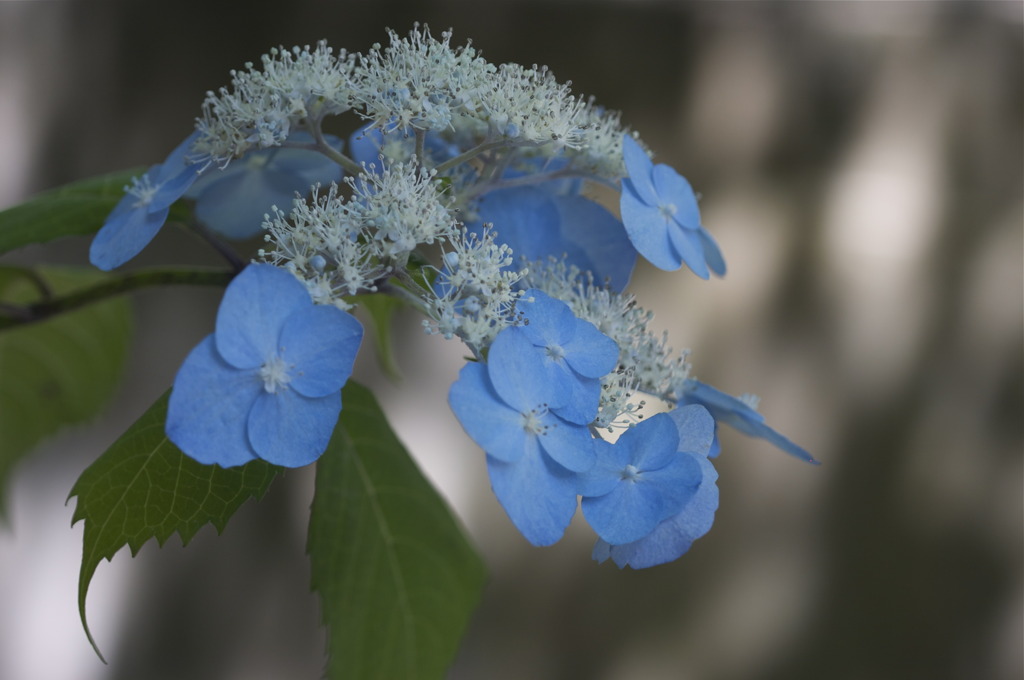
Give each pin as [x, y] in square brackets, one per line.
[469, 155]
[421, 138]
[326, 149]
[404, 294]
[40, 311]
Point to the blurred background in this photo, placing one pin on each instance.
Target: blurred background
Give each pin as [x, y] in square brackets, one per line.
[861, 167]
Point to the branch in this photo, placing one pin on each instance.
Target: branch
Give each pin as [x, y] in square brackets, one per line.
[18, 315]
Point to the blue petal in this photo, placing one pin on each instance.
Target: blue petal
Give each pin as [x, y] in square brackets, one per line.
[712, 254]
[233, 201]
[664, 480]
[175, 175]
[526, 220]
[594, 240]
[496, 427]
[590, 352]
[648, 231]
[674, 189]
[172, 189]
[537, 223]
[720, 404]
[696, 428]
[209, 408]
[569, 444]
[624, 515]
[124, 234]
[235, 205]
[584, 399]
[550, 320]
[310, 166]
[286, 428]
[321, 343]
[132, 225]
[178, 159]
[735, 413]
[762, 431]
[253, 311]
[674, 536]
[688, 245]
[606, 473]
[639, 168]
[538, 495]
[653, 443]
[523, 375]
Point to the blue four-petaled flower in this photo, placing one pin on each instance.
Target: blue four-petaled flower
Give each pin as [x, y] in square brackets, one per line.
[230, 201]
[267, 383]
[138, 217]
[659, 210]
[637, 482]
[672, 537]
[561, 356]
[532, 454]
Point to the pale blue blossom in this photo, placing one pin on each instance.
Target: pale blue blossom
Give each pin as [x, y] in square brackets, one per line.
[672, 537]
[531, 453]
[135, 221]
[659, 210]
[560, 356]
[637, 482]
[267, 383]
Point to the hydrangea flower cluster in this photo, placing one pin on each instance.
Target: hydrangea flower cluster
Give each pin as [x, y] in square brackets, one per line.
[467, 195]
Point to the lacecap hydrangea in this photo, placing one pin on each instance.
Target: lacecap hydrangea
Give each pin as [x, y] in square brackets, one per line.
[466, 193]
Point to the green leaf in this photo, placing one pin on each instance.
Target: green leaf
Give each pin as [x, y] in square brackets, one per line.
[396, 576]
[74, 209]
[57, 372]
[381, 309]
[144, 487]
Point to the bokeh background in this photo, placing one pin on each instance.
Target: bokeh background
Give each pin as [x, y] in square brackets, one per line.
[861, 167]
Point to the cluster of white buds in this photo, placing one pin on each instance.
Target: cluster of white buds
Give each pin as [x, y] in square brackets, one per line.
[475, 293]
[295, 87]
[530, 107]
[325, 247]
[420, 82]
[400, 207]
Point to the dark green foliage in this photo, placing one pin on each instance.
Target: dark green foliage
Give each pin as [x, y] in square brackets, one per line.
[396, 576]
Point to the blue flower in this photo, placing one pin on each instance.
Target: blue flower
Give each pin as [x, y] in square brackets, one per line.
[661, 216]
[138, 217]
[673, 537]
[543, 221]
[739, 415]
[558, 354]
[232, 201]
[532, 454]
[267, 383]
[637, 482]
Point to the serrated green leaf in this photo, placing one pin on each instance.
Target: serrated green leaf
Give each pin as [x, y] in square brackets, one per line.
[396, 576]
[74, 209]
[144, 487]
[57, 372]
